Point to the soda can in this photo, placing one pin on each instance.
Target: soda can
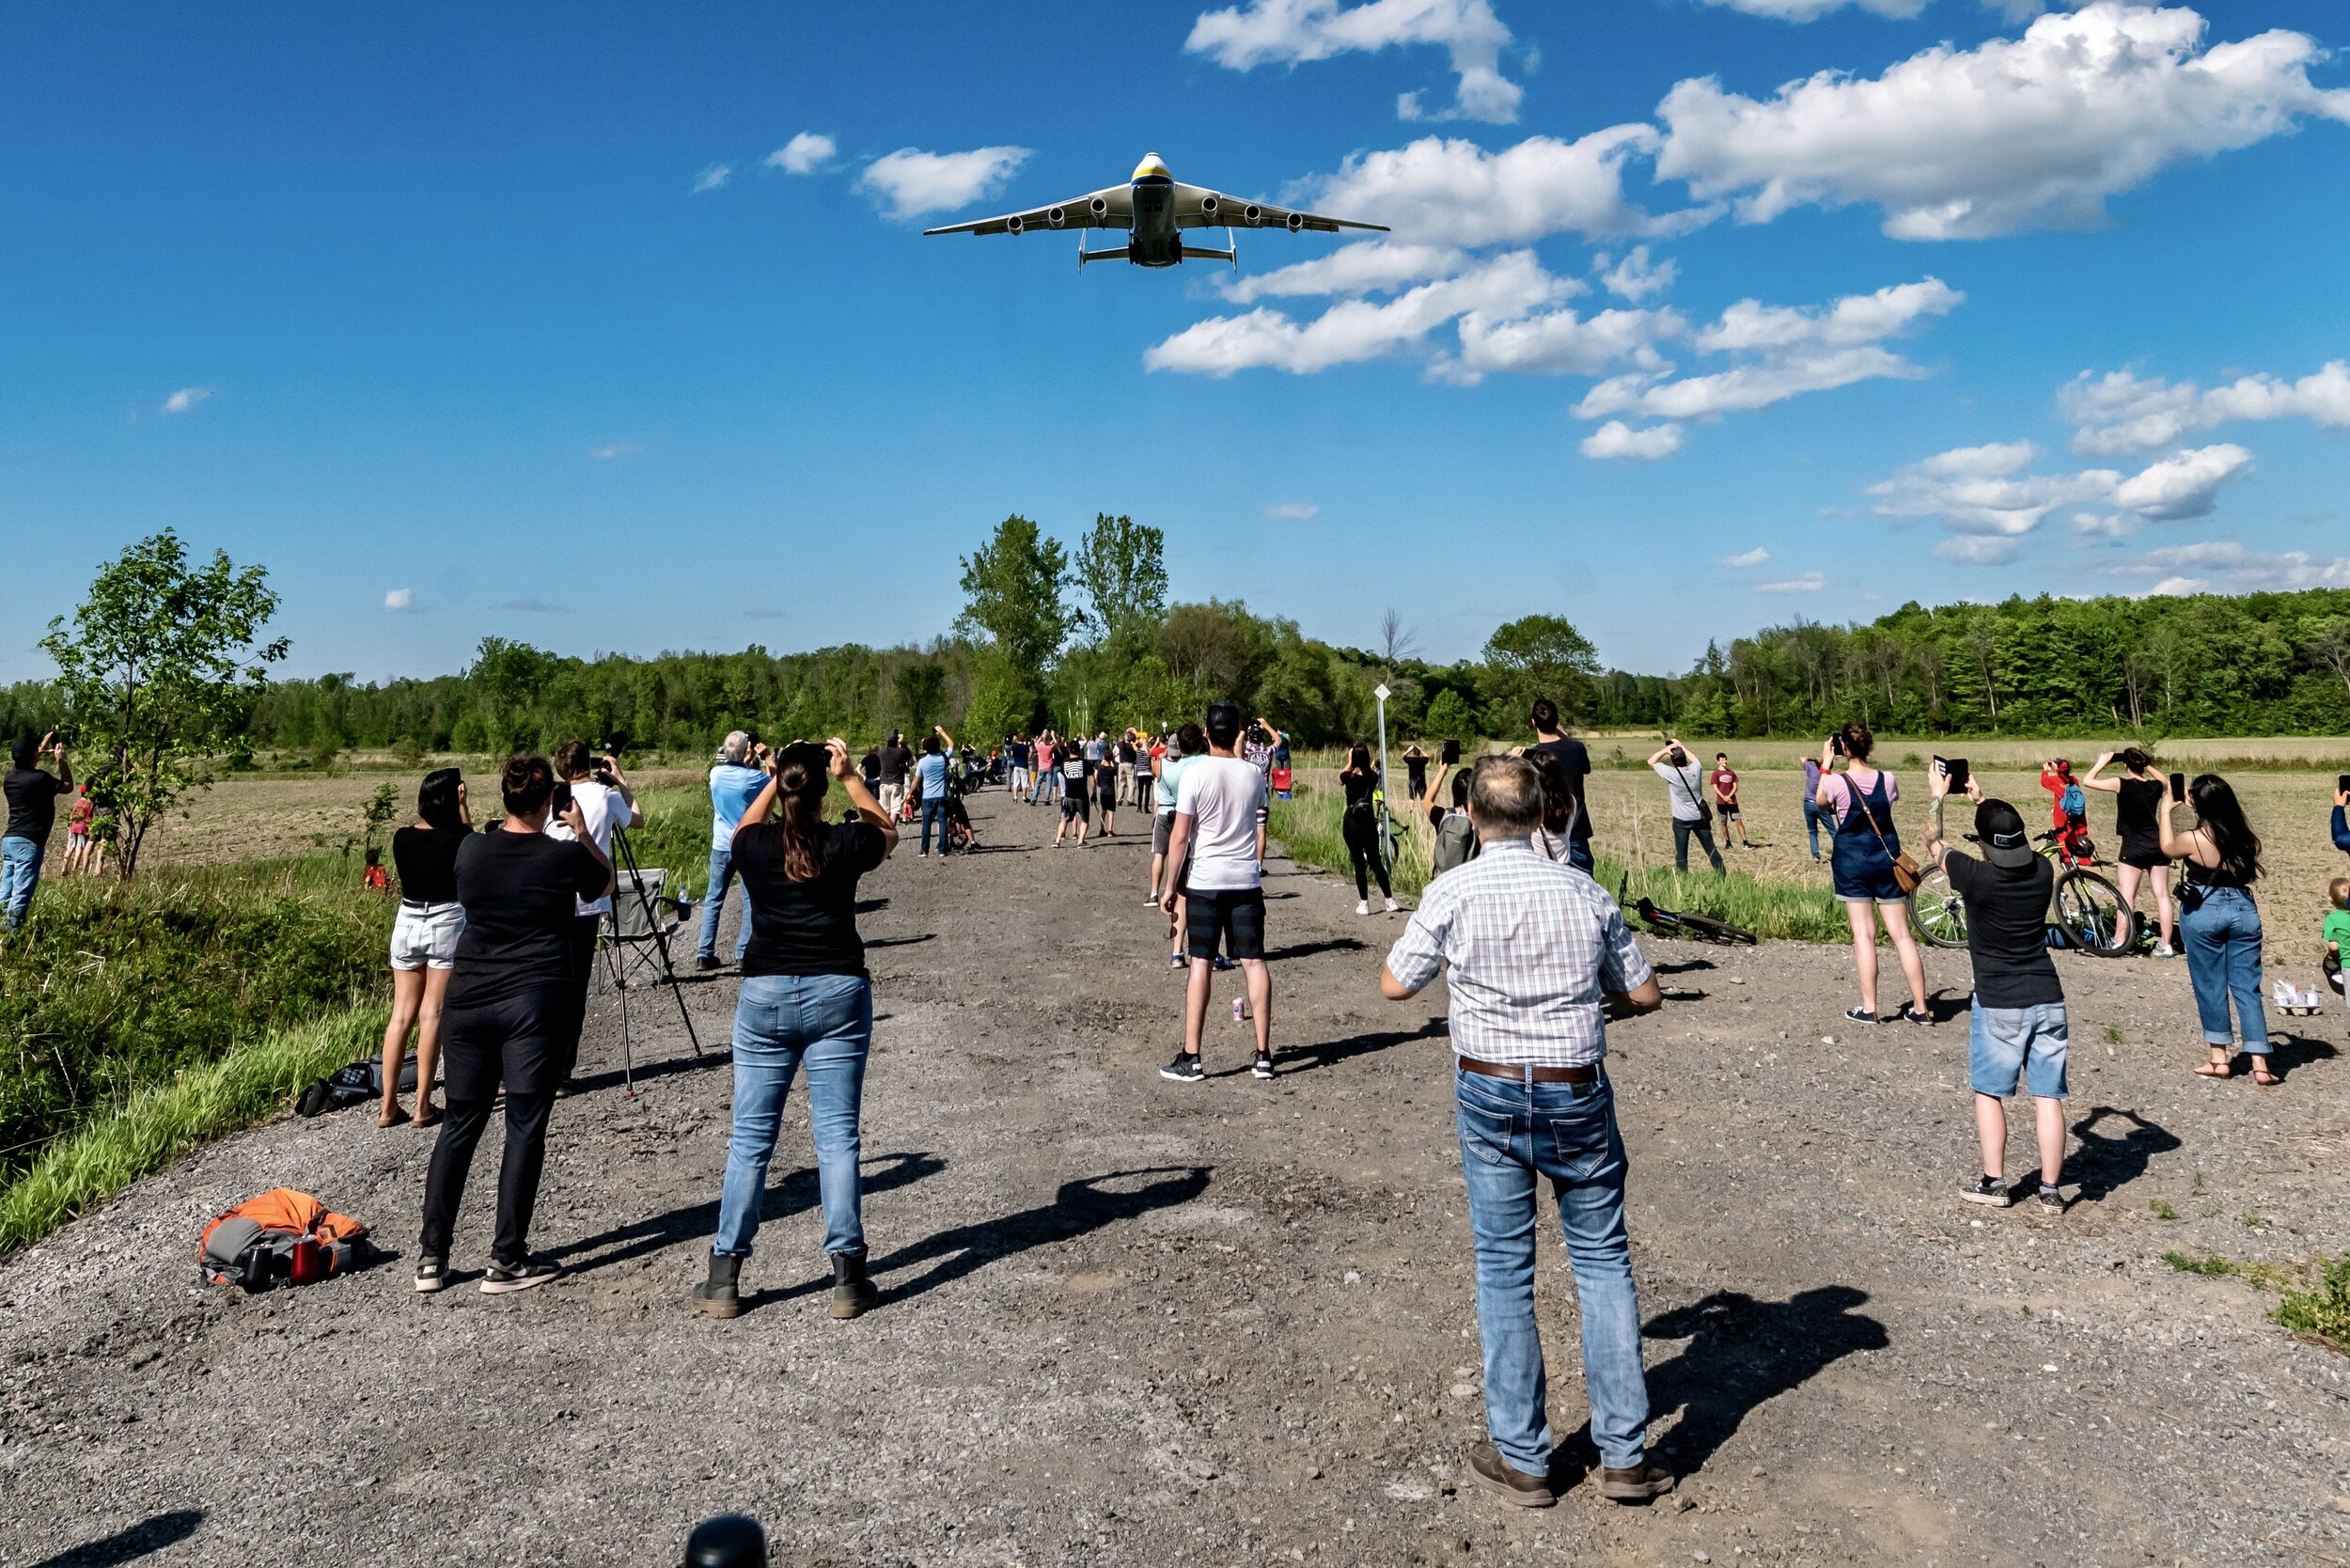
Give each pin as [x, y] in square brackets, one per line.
[1240, 1009]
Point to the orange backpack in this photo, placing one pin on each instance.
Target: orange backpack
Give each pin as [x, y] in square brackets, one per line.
[283, 1237]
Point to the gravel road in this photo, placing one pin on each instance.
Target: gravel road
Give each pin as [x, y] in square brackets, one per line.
[1130, 1321]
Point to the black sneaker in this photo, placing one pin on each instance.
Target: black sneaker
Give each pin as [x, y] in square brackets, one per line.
[2051, 1200]
[1860, 1015]
[1987, 1190]
[1911, 1016]
[504, 1277]
[705, 961]
[1223, 963]
[431, 1272]
[1262, 1067]
[1184, 1069]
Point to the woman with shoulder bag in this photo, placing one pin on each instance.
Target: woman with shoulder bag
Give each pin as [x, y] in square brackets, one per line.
[1871, 872]
[2219, 925]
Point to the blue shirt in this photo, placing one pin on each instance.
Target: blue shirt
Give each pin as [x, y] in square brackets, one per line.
[931, 771]
[732, 788]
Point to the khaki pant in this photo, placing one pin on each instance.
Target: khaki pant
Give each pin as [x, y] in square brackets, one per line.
[892, 797]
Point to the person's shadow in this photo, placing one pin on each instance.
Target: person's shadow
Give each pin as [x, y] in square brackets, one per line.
[128, 1545]
[1330, 1053]
[793, 1194]
[2104, 1163]
[1742, 1354]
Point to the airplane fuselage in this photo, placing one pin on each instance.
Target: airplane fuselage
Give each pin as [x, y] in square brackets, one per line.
[1154, 241]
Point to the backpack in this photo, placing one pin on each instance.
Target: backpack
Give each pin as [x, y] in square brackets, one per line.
[354, 1085]
[283, 1237]
[1456, 843]
[2074, 803]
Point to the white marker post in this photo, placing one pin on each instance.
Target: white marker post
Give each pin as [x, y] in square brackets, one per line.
[1387, 831]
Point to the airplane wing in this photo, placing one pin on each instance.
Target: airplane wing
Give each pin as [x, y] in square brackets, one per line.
[1196, 207]
[1110, 208]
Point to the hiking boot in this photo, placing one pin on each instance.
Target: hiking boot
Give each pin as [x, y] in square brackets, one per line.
[706, 961]
[716, 1296]
[1184, 1069]
[1513, 1485]
[1987, 1190]
[431, 1272]
[528, 1273]
[1643, 1482]
[853, 1295]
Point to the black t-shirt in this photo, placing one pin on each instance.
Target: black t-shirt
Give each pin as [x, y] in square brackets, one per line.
[1575, 763]
[517, 890]
[2007, 930]
[2135, 814]
[895, 760]
[1106, 787]
[806, 928]
[32, 803]
[426, 858]
[870, 767]
[1358, 789]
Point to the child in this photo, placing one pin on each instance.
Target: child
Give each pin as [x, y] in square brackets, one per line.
[2070, 815]
[373, 880]
[2336, 932]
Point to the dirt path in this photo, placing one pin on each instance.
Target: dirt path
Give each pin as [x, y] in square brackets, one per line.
[1130, 1321]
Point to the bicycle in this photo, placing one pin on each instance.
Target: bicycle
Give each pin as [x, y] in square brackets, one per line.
[1674, 923]
[2084, 909]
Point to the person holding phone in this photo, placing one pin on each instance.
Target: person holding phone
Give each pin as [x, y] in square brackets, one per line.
[1574, 766]
[32, 814]
[2221, 926]
[1861, 855]
[2137, 805]
[1685, 793]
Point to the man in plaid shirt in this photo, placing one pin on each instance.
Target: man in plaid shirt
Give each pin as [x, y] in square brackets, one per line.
[1537, 949]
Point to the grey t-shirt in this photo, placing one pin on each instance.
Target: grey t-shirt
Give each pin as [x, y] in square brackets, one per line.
[1682, 787]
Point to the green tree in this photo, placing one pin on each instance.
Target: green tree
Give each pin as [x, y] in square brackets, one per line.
[1449, 718]
[1013, 587]
[378, 812]
[157, 668]
[510, 679]
[1121, 565]
[1544, 655]
[1001, 703]
[920, 689]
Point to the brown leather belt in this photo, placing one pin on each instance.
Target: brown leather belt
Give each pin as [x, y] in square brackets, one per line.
[1533, 1074]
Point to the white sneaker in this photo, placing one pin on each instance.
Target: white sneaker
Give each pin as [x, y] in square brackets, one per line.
[2166, 950]
[1362, 906]
[1393, 906]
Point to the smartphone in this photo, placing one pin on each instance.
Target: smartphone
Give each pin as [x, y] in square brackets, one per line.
[1955, 769]
[1835, 746]
[2341, 781]
[2178, 786]
[562, 798]
[1451, 754]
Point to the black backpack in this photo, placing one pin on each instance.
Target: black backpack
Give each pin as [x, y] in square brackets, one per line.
[359, 1084]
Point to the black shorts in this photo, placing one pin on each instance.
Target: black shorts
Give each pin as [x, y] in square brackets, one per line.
[2145, 857]
[522, 1044]
[1231, 916]
[1072, 807]
[1725, 808]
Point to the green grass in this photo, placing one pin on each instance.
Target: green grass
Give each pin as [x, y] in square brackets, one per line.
[2161, 1210]
[1307, 827]
[2317, 1310]
[159, 1120]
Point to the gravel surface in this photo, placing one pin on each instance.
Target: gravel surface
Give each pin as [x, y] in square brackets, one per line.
[1125, 1320]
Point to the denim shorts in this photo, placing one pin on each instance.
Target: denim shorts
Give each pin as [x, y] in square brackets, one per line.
[2005, 1043]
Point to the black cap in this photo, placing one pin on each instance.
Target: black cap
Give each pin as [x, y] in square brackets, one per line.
[1999, 829]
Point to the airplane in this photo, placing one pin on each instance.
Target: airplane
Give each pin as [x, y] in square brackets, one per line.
[1156, 207]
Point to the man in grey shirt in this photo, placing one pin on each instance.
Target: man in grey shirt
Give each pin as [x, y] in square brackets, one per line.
[1685, 790]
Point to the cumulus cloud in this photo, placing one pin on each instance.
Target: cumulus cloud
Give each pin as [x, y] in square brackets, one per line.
[1854, 319]
[1811, 11]
[1560, 342]
[185, 399]
[2225, 566]
[1296, 511]
[1808, 582]
[1635, 277]
[1986, 489]
[399, 601]
[1455, 193]
[2017, 134]
[911, 182]
[804, 153]
[2118, 412]
[1755, 557]
[1365, 267]
[713, 178]
[1269, 32]
[1616, 439]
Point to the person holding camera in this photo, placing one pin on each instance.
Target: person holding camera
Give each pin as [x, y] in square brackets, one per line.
[509, 1021]
[1685, 793]
[424, 939]
[1865, 860]
[2220, 925]
[32, 796]
[735, 781]
[1574, 766]
[606, 802]
[2138, 802]
[929, 786]
[806, 1001]
[1216, 847]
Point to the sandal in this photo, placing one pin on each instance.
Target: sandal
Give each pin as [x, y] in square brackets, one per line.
[429, 1116]
[2261, 1076]
[396, 1118]
[2215, 1070]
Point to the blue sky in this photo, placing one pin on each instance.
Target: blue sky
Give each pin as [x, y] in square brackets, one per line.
[453, 320]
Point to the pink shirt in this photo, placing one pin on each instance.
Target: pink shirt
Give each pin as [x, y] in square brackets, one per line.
[1844, 797]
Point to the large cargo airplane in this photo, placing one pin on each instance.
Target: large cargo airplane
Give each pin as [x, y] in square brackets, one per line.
[1154, 207]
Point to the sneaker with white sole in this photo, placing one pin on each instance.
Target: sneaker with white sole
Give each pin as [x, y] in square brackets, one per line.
[2051, 1199]
[1987, 1190]
[431, 1272]
[529, 1274]
[1262, 1066]
[1362, 906]
[1394, 907]
[1184, 1069]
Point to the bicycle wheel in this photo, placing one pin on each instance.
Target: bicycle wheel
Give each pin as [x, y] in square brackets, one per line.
[1935, 913]
[2090, 911]
[1707, 928]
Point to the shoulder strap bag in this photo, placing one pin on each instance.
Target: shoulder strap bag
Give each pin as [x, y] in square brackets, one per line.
[1907, 875]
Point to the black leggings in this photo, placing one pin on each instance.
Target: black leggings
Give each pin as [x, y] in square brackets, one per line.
[518, 1173]
[1362, 842]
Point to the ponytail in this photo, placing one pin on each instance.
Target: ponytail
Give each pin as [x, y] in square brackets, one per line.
[800, 789]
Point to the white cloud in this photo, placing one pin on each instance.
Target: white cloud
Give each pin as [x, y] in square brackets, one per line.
[713, 178]
[2028, 133]
[804, 153]
[1808, 582]
[1635, 277]
[1292, 510]
[1811, 11]
[1984, 489]
[185, 399]
[399, 601]
[1455, 193]
[611, 450]
[1616, 439]
[2182, 486]
[2225, 566]
[913, 182]
[2091, 525]
[1755, 557]
[1744, 389]
[2119, 413]
[1854, 319]
[1560, 342]
[1377, 266]
[1979, 550]
[1265, 32]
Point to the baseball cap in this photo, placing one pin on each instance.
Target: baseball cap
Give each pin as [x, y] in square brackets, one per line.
[1999, 830]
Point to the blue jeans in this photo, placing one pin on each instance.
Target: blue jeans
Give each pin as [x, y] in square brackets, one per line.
[2222, 938]
[1816, 817]
[933, 811]
[781, 1022]
[1579, 854]
[714, 901]
[20, 873]
[1509, 1134]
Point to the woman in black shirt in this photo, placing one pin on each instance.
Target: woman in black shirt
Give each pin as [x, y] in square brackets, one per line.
[1361, 828]
[424, 937]
[805, 1001]
[507, 1019]
[2136, 811]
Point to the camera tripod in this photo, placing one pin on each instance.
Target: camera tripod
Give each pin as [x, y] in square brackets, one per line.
[625, 853]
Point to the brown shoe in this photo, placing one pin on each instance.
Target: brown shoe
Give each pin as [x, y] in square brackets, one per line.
[1513, 1485]
[1643, 1482]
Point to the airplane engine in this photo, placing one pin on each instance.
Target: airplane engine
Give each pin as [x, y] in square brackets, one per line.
[1056, 216]
[1253, 215]
[1296, 222]
[1099, 206]
[1013, 224]
[1209, 204]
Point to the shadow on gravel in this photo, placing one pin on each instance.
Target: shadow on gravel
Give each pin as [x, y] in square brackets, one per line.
[1305, 1059]
[1309, 949]
[1685, 966]
[717, 1054]
[1742, 1354]
[900, 941]
[794, 1194]
[2105, 1162]
[129, 1545]
[2298, 1050]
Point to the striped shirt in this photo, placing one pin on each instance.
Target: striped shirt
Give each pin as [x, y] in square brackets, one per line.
[1533, 944]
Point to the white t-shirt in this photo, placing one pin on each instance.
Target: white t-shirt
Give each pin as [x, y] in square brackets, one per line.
[600, 807]
[1681, 789]
[1222, 796]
